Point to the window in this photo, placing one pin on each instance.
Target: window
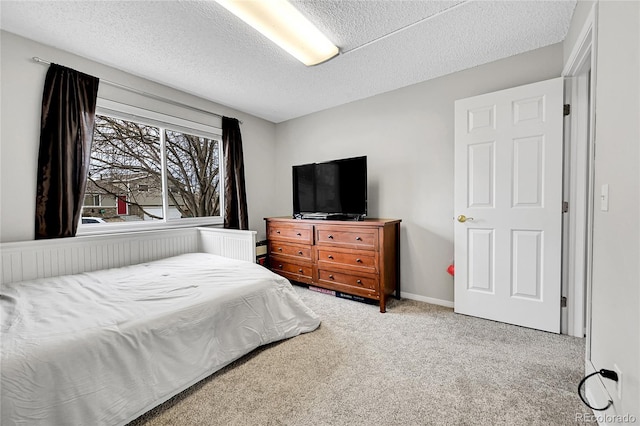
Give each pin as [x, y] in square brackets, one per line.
[148, 167]
[193, 174]
[91, 198]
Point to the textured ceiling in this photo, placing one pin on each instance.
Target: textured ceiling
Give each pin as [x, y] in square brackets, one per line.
[200, 48]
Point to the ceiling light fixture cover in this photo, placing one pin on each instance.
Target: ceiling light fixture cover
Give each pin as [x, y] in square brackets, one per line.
[282, 23]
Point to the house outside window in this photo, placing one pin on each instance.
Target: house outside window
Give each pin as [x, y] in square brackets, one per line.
[148, 167]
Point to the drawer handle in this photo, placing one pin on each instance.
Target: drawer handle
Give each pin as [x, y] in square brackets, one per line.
[300, 270]
[279, 248]
[358, 239]
[300, 253]
[330, 237]
[359, 281]
[280, 266]
[330, 276]
[330, 257]
[298, 234]
[359, 260]
[277, 232]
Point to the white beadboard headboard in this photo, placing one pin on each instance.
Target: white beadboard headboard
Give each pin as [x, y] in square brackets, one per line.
[230, 243]
[49, 258]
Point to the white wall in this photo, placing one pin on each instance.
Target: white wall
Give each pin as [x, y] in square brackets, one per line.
[407, 135]
[22, 81]
[615, 321]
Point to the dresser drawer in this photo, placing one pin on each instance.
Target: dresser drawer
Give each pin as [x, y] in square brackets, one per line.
[350, 280]
[354, 237]
[298, 233]
[302, 272]
[287, 249]
[361, 259]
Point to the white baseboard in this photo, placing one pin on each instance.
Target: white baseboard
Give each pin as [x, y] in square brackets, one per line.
[431, 300]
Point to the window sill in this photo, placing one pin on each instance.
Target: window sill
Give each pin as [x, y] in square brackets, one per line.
[119, 228]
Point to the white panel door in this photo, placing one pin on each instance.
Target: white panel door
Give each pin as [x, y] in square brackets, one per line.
[508, 186]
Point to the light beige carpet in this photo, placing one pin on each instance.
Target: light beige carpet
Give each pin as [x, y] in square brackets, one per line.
[417, 364]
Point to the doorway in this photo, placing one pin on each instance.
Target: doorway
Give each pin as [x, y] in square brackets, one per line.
[578, 194]
[578, 179]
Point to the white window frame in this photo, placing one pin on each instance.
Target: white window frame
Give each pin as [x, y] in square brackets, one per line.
[164, 122]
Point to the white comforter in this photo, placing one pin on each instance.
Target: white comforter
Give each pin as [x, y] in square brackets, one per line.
[102, 348]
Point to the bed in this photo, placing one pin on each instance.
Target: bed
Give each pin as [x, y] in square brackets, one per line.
[103, 347]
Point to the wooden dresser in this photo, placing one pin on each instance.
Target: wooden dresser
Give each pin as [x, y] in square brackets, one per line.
[354, 257]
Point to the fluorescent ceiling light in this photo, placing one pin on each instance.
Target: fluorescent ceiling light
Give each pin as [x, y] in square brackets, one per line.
[283, 24]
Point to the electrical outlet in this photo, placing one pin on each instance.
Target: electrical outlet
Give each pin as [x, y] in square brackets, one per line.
[619, 382]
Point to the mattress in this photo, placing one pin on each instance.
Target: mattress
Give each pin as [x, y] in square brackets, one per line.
[101, 348]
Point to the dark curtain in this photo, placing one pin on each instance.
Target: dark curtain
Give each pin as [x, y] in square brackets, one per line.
[235, 195]
[68, 116]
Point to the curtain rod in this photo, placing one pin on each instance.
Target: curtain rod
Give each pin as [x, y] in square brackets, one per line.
[146, 94]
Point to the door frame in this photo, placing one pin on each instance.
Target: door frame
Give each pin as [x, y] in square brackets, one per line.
[580, 74]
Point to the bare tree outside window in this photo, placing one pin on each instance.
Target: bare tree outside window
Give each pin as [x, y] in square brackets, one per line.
[126, 165]
[193, 166]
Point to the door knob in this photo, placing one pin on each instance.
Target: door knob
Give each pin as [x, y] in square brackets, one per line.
[462, 218]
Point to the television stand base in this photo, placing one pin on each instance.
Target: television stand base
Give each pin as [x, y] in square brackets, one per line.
[328, 216]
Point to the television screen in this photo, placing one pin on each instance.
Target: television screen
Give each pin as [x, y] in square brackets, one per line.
[333, 189]
[304, 182]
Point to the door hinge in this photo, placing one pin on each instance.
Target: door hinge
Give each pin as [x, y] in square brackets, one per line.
[565, 206]
[567, 109]
[563, 302]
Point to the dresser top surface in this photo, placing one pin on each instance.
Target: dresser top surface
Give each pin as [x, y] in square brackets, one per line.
[364, 222]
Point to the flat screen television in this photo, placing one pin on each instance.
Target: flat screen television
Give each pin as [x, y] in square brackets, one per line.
[331, 190]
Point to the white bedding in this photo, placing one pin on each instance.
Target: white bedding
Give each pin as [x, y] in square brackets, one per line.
[101, 348]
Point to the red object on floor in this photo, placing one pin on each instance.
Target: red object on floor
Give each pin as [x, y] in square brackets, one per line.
[451, 269]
